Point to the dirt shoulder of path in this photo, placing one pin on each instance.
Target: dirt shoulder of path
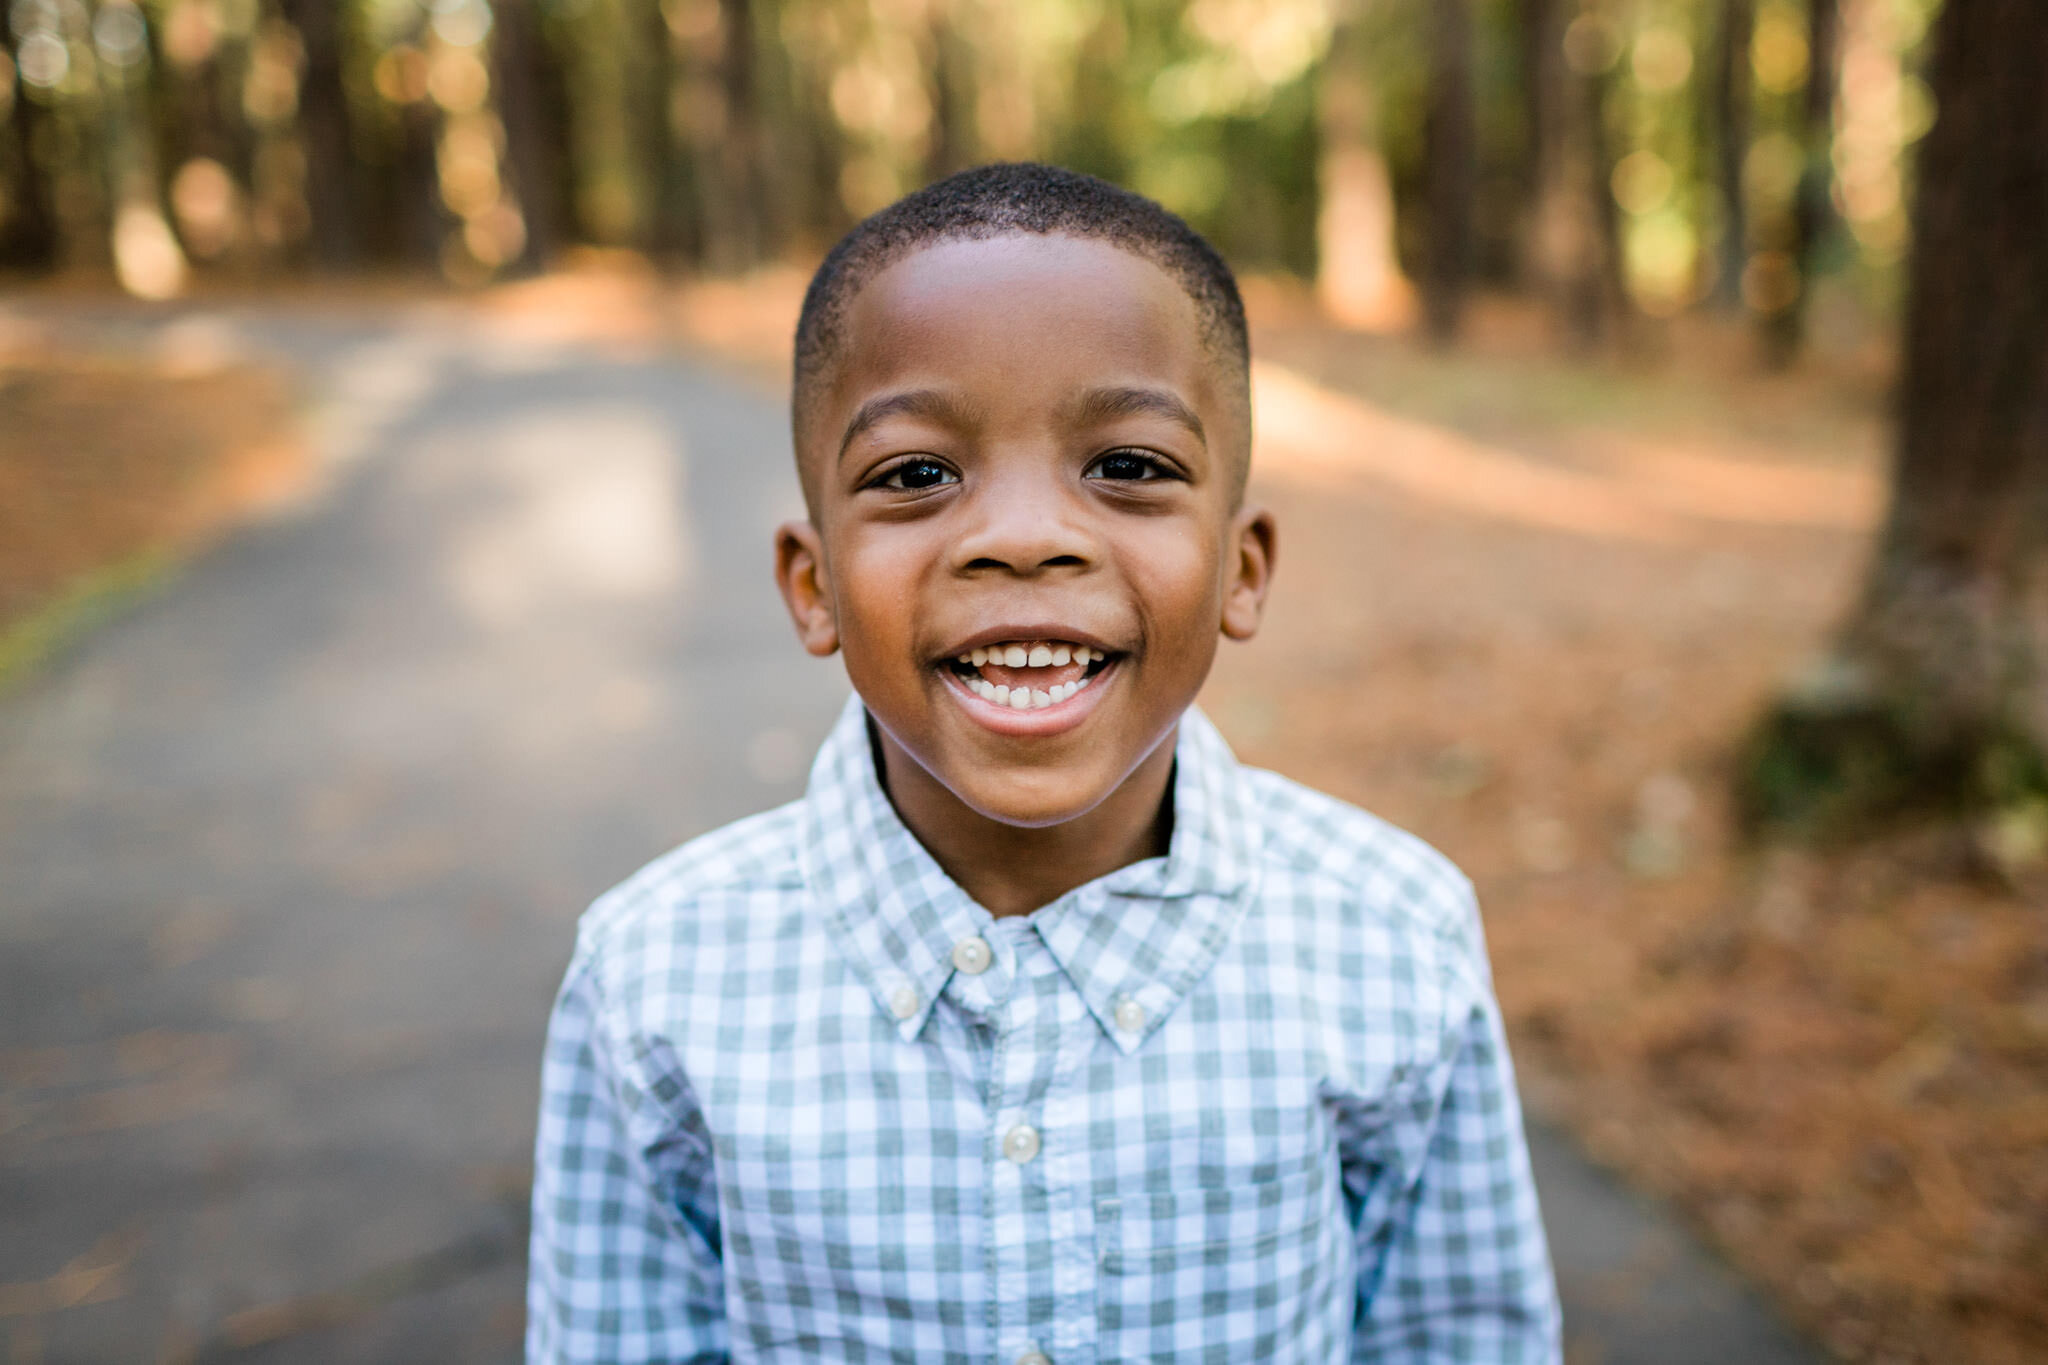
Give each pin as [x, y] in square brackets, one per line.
[113, 469]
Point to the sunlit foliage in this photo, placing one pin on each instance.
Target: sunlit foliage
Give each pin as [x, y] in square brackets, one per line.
[167, 137]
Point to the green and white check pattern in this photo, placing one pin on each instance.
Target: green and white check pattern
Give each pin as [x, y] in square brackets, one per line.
[1246, 1102]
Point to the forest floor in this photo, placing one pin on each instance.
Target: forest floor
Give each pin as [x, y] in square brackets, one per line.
[1527, 606]
[112, 470]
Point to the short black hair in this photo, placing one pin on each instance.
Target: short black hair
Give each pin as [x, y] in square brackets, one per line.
[1013, 197]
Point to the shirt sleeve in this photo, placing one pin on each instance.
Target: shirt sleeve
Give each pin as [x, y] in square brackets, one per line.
[624, 1261]
[1452, 1261]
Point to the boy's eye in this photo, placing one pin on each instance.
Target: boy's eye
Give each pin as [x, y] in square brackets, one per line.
[912, 475]
[1132, 466]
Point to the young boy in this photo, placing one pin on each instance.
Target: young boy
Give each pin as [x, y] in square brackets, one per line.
[1038, 1030]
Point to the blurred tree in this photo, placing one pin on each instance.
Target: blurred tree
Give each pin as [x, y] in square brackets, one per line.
[1934, 696]
[670, 106]
[325, 133]
[1358, 278]
[534, 103]
[1729, 97]
[1348, 139]
[1452, 167]
[950, 145]
[28, 218]
[1574, 48]
[1812, 212]
[202, 140]
[726, 144]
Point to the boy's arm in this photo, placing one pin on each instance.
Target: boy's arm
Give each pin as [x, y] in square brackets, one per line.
[625, 1260]
[1452, 1261]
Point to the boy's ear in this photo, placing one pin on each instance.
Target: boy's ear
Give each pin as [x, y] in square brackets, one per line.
[1244, 591]
[806, 590]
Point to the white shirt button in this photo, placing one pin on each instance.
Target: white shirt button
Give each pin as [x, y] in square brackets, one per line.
[1130, 1015]
[1020, 1144]
[903, 1004]
[1034, 1356]
[972, 955]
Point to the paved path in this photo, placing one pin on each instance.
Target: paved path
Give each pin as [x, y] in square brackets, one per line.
[289, 860]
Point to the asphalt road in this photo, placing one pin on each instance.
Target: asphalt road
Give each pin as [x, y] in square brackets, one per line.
[290, 859]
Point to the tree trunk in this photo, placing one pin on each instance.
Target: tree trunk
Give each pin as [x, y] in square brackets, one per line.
[672, 219]
[28, 233]
[325, 132]
[1358, 278]
[533, 101]
[746, 239]
[1812, 204]
[1934, 696]
[1540, 60]
[419, 221]
[724, 125]
[1577, 232]
[1452, 169]
[1731, 121]
[952, 146]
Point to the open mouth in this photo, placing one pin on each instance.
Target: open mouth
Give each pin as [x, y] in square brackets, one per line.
[1029, 675]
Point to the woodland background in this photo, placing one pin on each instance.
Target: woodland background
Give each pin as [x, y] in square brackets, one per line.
[1622, 157]
[1654, 394]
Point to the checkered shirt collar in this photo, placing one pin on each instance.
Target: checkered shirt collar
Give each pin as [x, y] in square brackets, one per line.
[1144, 933]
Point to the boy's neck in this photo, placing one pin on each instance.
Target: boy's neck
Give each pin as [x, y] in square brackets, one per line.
[1012, 870]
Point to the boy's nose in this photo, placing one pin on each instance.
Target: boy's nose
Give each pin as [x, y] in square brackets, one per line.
[1025, 526]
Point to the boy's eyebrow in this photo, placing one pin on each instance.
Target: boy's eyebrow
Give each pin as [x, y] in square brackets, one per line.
[1101, 405]
[939, 407]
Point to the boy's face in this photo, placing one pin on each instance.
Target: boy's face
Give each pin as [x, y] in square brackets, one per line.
[1024, 480]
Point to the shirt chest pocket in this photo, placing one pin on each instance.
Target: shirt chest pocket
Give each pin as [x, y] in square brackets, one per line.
[1168, 1232]
[1261, 1264]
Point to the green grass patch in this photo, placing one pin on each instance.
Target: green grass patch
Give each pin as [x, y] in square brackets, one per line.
[90, 601]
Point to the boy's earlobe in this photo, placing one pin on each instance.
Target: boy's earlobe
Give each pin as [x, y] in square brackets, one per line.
[1252, 540]
[800, 574]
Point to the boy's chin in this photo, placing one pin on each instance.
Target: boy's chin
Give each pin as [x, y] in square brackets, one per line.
[1035, 800]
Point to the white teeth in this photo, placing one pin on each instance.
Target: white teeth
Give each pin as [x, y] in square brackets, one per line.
[1060, 655]
[1016, 656]
[1041, 657]
[1024, 698]
[966, 659]
[977, 657]
[1083, 655]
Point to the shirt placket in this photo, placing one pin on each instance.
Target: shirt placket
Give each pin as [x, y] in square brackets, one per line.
[1040, 1236]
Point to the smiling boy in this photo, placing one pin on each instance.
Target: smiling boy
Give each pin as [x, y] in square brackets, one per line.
[1039, 1030]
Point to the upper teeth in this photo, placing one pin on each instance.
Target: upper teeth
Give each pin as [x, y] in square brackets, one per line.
[1035, 656]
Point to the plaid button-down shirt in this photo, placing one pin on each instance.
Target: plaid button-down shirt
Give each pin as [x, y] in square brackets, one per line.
[804, 1099]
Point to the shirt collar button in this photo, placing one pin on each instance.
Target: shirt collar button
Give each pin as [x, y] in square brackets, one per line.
[972, 955]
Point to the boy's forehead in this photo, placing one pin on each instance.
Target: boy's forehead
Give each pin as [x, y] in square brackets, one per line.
[1002, 292]
[1021, 310]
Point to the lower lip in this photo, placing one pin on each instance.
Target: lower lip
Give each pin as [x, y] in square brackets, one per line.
[1056, 719]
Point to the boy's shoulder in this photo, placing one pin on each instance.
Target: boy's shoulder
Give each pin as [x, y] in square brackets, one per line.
[710, 887]
[1328, 855]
